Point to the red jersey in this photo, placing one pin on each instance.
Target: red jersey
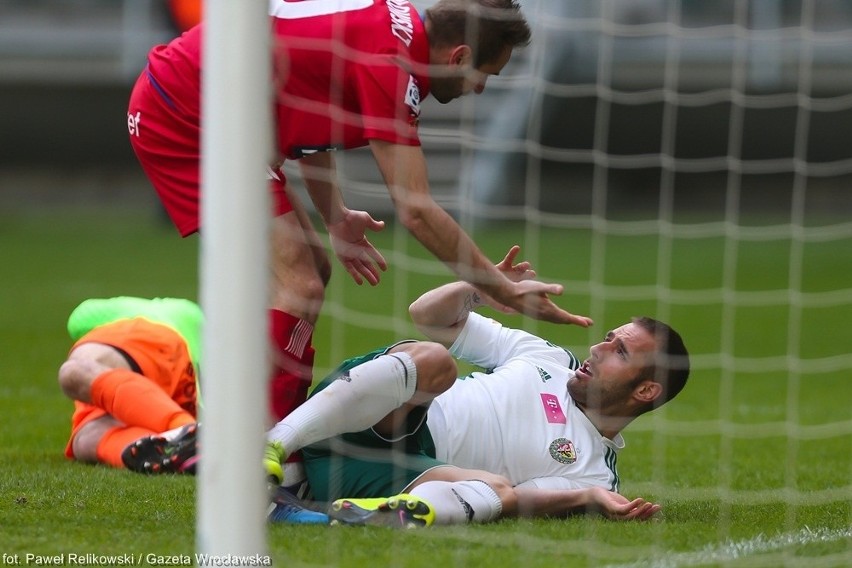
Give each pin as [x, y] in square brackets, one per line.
[343, 73]
[343, 68]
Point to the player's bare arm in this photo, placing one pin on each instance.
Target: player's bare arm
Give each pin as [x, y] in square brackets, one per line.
[440, 313]
[404, 172]
[346, 227]
[520, 501]
[534, 502]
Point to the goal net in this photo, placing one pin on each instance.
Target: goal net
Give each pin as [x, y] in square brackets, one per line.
[690, 161]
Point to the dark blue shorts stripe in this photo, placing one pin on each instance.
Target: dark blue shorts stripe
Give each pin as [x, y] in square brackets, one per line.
[159, 89]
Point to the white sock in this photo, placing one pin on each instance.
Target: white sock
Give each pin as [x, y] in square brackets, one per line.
[354, 402]
[460, 502]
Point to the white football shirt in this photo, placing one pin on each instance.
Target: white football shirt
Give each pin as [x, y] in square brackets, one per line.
[517, 418]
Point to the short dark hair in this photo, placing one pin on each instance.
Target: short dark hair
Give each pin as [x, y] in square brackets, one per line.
[671, 365]
[488, 26]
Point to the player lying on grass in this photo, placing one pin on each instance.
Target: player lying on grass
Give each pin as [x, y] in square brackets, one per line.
[535, 435]
[132, 376]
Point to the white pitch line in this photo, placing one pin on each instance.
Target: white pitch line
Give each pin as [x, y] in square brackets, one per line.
[734, 550]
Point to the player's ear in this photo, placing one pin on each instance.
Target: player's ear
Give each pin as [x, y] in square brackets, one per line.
[461, 55]
[648, 391]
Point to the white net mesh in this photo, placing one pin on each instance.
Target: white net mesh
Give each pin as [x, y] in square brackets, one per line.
[690, 161]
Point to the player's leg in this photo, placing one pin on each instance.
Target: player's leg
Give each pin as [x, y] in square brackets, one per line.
[97, 374]
[300, 272]
[167, 143]
[442, 496]
[102, 440]
[139, 375]
[460, 496]
[106, 440]
[285, 507]
[379, 390]
[173, 451]
[435, 372]
[163, 357]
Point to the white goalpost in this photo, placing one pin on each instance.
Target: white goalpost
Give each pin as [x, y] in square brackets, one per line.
[234, 249]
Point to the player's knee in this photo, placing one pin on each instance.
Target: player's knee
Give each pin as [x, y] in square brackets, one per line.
[301, 277]
[504, 490]
[73, 379]
[86, 363]
[298, 292]
[446, 367]
[436, 368]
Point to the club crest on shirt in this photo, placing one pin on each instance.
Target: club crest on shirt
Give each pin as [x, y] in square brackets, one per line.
[412, 100]
[562, 450]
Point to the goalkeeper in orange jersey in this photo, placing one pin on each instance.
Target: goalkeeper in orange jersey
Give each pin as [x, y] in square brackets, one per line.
[132, 373]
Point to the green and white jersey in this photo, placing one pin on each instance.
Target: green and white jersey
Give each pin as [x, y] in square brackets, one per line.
[517, 419]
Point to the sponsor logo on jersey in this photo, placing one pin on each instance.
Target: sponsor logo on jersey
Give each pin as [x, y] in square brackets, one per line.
[401, 26]
[552, 409]
[133, 122]
[412, 100]
[562, 450]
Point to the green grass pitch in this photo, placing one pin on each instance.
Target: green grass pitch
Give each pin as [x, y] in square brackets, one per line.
[752, 463]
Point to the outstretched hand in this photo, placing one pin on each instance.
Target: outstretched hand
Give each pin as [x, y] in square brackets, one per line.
[360, 258]
[515, 272]
[619, 508]
[531, 297]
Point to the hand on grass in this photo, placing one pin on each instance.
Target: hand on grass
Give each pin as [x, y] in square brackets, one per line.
[619, 508]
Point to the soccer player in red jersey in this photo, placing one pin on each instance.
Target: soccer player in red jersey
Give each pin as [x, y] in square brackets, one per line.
[346, 74]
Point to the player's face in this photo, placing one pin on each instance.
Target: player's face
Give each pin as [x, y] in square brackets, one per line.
[607, 378]
[467, 79]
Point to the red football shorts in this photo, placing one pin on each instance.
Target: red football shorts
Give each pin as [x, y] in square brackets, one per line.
[167, 142]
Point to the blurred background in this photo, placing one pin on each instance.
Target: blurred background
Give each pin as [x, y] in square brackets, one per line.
[626, 96]
[66, 70]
